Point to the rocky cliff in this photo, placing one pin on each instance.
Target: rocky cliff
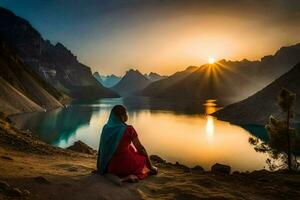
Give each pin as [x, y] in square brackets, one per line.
[53, 63]
[21, 90]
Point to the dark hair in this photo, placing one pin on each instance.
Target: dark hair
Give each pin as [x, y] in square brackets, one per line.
[119, 111]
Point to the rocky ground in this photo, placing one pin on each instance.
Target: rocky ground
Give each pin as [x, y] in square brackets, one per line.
[31, 169]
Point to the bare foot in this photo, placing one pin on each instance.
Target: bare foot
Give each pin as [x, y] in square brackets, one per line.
[153, 170]
[130, 178]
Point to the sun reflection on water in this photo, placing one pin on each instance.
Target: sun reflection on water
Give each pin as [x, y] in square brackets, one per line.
[189, 139]
[210, 107]
[210, 128]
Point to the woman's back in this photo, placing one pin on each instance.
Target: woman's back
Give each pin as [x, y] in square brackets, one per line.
[126, 159]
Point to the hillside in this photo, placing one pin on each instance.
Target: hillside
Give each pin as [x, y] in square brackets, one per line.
[209, 82]
[156, 88]
[22, 90]
[53, 63]
[257, 108]
[132, 82]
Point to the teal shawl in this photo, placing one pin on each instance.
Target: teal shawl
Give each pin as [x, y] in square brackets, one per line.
[111, 136]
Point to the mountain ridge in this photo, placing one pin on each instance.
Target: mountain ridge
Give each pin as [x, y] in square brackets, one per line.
[249, 76]
[257, 108]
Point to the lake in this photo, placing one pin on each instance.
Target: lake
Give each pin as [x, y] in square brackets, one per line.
[177, 131]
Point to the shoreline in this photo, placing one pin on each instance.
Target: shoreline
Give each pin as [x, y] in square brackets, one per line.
[32, 169]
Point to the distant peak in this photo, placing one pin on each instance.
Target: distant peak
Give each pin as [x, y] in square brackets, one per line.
[113, 76]
[96, 74]
[191, 68]
[133, 71]
[153, 74]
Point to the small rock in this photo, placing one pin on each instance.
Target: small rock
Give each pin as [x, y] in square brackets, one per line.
[260, 172]
[81, 147]
[157, 159]
[153, 190]
[41, 180]
[198, 168]
[16, 192]
[6, 158]
[180, 166]
[26, 193]
[236, 173]
[72, 169]
[3, 185]
[219, 168]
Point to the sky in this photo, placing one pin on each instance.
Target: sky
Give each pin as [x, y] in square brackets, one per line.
[162, 36]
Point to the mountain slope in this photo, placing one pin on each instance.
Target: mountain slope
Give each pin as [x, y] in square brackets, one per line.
[12, 101]
[211, 81]
[132, 82]
[21, 90]
[257, 108]
[54, 63]
[156, 88]
[269, 67]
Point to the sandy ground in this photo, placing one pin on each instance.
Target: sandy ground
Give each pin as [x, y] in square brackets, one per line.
[63, 174]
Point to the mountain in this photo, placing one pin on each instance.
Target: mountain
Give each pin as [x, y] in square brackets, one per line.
[97, 77]
[21, 89]
[152, 76]
[107, 81]
[269, 67]
[132, 82]
[257, 108]
[227, 81]
[211, 81]
[156, 88]
[54, 63]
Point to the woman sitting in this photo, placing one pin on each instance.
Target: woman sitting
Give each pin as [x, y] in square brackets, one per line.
[120, 151]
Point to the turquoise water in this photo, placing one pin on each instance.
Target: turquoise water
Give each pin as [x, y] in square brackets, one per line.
[176, 131]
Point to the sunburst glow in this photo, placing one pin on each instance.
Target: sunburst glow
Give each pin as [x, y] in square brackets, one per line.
[211, 60]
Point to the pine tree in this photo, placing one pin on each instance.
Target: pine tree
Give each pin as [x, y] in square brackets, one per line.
[282, 137]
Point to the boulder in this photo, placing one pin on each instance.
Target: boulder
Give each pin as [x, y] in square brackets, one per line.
[183, 167]
[6, 158]
[14, 192]
[41, 180]
[157, 159]
[3, 185]
[26, 192]
[220, 169]
[81, 147]
[198, 168]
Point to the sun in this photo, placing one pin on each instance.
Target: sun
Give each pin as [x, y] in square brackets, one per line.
[211, 60]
